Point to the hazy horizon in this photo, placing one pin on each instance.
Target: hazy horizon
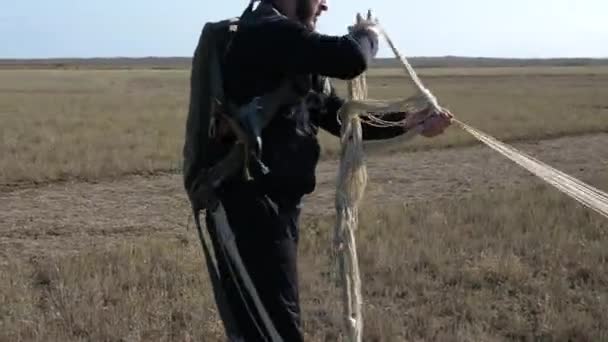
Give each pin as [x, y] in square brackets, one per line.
[516, 29]
[379, 58]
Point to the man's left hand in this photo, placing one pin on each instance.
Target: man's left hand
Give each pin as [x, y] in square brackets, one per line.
[437, 123]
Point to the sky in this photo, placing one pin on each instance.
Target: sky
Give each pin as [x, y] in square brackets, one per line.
[474, 28]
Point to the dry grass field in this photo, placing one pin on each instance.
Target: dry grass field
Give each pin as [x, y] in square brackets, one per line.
[515, 265]
[59, 124]
[456, 243]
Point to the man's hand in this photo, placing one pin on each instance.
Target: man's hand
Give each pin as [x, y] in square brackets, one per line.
[437, 123]
[368, 25]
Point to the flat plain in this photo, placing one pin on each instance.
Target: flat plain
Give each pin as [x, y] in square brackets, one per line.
[456, 243]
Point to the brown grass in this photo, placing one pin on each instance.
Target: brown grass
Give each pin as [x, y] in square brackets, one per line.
[59, 124]
[495, 71]
[521, 264]
[525, 264]
[89, 124]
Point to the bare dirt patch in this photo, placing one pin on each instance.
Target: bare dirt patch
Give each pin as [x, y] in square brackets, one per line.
[74, 216]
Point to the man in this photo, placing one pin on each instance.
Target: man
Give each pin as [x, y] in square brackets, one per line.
[274, 44]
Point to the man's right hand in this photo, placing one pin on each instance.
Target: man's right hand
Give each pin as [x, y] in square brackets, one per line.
[368, 26]
[369, 23]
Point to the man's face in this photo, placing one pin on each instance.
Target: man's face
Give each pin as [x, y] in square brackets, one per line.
[309, 11]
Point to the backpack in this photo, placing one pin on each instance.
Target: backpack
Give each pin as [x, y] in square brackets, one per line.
[204, 125]
[222, 138]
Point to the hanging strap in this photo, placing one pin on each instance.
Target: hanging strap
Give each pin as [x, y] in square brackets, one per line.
[230, 327]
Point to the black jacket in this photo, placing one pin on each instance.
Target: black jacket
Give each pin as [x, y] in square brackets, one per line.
[269, 49]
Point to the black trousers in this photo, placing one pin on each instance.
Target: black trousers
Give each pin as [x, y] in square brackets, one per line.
[266, 233]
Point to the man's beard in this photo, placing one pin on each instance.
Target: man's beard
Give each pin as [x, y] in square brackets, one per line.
[305, 13]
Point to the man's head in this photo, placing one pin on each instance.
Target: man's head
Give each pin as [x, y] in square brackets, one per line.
[305, 11]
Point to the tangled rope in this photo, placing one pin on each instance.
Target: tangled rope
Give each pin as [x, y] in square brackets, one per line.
[352, 179]
[585, 194]
[352, 174]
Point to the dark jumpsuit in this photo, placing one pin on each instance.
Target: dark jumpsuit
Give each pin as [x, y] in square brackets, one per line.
[264, 214]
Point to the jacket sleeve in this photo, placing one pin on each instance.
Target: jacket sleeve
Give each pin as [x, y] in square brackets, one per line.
[330, 103]
[293, 48]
